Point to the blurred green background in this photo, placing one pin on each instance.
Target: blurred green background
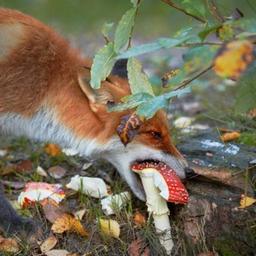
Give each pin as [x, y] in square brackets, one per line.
[87, 16]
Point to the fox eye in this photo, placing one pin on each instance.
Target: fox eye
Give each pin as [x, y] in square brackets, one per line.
[156, 135]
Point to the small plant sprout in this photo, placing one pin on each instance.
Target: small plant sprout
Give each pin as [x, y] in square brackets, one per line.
[161, 185]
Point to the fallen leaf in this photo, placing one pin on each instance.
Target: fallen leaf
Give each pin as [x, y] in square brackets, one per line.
[57, 253]
[246, 201]
[57, 172]
[52, 149]
[252, 113]
[110, 227]
[48, 244]
[233, 59]
[68, 223]
[51, 210]
[24, 165]
[128, 127]
[3, 152]
[138, 248]
[41, 171]
[8, 245]
[86, 166]
[139, 219]
[80, 214]
[13, 184]
[229, 136]
[70, 151]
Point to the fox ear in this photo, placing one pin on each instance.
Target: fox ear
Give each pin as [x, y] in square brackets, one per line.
[96, 98]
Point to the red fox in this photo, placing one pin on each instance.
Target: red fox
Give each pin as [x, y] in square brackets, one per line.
[45, 95]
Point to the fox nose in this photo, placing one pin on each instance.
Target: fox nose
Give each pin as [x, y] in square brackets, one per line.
[189, 172]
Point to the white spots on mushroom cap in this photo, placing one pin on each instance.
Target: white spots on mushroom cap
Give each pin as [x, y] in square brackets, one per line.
[211, 143]
[232, 149]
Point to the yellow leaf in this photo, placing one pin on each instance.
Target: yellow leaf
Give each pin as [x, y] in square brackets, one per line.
[246, 201]
[8, 245]
[139, 219]
[52, 149]
[110, 227]
[229, 136]
[48, 244]
[233, 59]
[68, 223]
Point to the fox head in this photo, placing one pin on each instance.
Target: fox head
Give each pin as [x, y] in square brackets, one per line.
[152, 140]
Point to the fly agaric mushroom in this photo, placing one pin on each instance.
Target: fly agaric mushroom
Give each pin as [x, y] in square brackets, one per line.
[161, 184]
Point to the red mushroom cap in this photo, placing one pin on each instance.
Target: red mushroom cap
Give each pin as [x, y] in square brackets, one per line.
[165, 178]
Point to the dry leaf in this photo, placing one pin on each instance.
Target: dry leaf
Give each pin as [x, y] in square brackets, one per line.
[138, 248]
[8, 245]
[51, 210]
[57, 172]
[246, 201]
[68, 223]
[80, 214]
[229, 136]
[24, 166]
[233, 59]
[48, 244]
[13, 184]
[128, 127]
[110, 227]
[139, 219]
[41, 171]
[3, 152]
[52, 149]
[57, 253]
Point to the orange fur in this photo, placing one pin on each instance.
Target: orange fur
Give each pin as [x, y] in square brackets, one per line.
[40, 68]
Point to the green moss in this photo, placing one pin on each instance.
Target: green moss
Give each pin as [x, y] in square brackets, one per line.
[225, 247]
[248, 138]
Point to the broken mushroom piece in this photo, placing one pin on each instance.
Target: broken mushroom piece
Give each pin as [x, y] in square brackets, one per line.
[161, 184]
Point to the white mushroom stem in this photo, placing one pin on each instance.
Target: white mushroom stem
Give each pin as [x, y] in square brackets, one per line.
[157, 206]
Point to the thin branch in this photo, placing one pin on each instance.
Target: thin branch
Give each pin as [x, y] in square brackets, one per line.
[136, 14]
[215, 11]
[188, 81]
[200, 44]
[173, 5]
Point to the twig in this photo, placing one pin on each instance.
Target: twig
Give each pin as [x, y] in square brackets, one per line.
[215, 11]
[188, 81]
[200, 44]
[169, 2]
[136, 13]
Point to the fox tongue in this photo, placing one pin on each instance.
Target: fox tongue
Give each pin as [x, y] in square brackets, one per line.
[169, 184]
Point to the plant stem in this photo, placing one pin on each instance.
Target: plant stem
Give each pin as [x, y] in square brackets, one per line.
[188, 81]
[173, 5]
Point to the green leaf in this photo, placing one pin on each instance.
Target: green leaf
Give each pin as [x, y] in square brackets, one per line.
[151, 47]
[131, 101]
[149, 108]
[107, 29]
[246, 91]
[103, 63]
[208, 30]
[138, 80]
[134, 3]
[124, 29]
[195, 60]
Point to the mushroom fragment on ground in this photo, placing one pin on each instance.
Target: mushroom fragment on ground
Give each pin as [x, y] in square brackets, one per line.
[38, 191]
[94, 187]
[161, 184]
[114, 203]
